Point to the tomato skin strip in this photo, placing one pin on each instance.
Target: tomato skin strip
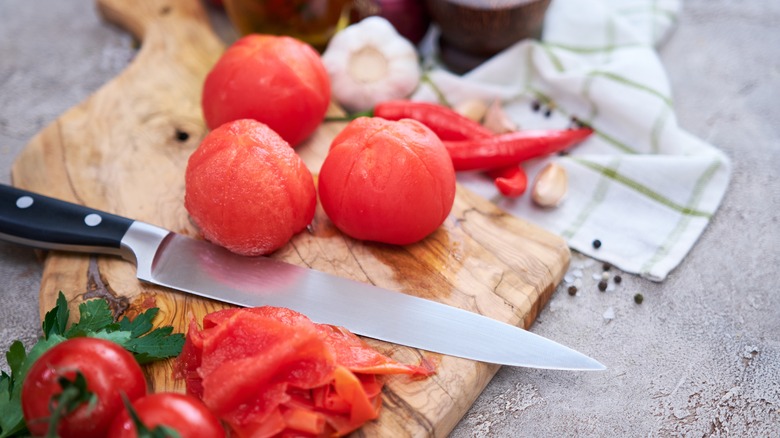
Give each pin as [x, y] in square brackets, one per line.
[303, 420]
[349, 388]
[357, 356]
[185, 367]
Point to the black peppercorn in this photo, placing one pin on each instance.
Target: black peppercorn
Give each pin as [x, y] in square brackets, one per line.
[536, 106]
[572, 290]
[618, 279]
[602, 285]
[638, 298]
[597, 244]
[606, 266]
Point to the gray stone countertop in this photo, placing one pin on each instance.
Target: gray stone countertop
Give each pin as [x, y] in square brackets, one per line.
[699, 357]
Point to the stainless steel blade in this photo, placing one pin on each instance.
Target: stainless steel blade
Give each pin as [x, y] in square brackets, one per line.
[210, 271]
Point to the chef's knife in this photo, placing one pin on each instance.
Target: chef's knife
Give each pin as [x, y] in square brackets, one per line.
[201, 268]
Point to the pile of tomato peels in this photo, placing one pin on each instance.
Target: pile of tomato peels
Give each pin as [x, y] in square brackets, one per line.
[268, 371]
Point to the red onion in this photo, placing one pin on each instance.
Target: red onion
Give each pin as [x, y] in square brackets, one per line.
[409, 17]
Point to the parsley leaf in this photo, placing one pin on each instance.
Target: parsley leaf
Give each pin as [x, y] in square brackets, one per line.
[158, 343]
[11, 421]
[15, 357]
[148, 344]
[35, 352]
[56, 319]
[136, 335]
[140, 324]
[94, 315]
[118, 337]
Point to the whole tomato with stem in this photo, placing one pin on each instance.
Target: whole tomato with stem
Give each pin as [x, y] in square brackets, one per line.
[184, 414]
[54, 390]
[387, 181]
[277, 80]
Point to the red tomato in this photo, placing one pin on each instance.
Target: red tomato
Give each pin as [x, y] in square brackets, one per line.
[387, 181]
[183, 413]
[247, 190]
[277, 80]
[109, 371]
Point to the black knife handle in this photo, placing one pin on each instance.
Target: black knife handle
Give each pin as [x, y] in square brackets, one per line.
[36, 220]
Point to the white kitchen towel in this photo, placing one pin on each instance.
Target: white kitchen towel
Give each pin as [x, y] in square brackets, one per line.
[640, 185]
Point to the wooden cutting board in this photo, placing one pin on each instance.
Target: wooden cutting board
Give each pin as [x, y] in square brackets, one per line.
[125, 148]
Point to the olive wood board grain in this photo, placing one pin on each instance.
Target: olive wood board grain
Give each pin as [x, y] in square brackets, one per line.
[124, 150]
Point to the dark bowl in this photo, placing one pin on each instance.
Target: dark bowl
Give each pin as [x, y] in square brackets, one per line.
[474, 30]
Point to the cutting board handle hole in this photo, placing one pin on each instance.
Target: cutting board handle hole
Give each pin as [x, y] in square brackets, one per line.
[181, 136]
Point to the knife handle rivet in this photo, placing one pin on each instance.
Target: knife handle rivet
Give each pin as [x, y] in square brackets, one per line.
[92, 219]
[24, 201]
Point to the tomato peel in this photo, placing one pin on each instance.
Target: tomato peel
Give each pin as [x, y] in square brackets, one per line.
[267, 370]
[304, 420]
[348, 387]
[357, 356]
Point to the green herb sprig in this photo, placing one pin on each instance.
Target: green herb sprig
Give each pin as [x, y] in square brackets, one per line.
[138, 336]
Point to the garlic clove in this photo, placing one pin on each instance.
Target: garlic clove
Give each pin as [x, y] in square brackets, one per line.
[550, 186]
[496, 119]
[473, 109]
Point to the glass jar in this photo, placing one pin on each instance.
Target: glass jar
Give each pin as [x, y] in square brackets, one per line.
[312, 21]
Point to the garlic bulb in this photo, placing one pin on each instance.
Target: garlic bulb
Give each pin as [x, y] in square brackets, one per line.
[370, 62]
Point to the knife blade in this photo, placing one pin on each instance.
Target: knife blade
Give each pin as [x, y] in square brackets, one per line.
[198, 267]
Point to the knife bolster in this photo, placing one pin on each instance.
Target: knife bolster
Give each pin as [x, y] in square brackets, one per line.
[141, 243]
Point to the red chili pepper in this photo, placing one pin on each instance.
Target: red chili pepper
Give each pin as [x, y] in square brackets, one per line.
[511, 148]
[511, 181]
[445, 122]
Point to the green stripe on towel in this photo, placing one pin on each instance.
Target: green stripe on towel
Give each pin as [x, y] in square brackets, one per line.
[598, 197]
[590, 50]
[640, 188]
[682, 224]
[628, 82]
